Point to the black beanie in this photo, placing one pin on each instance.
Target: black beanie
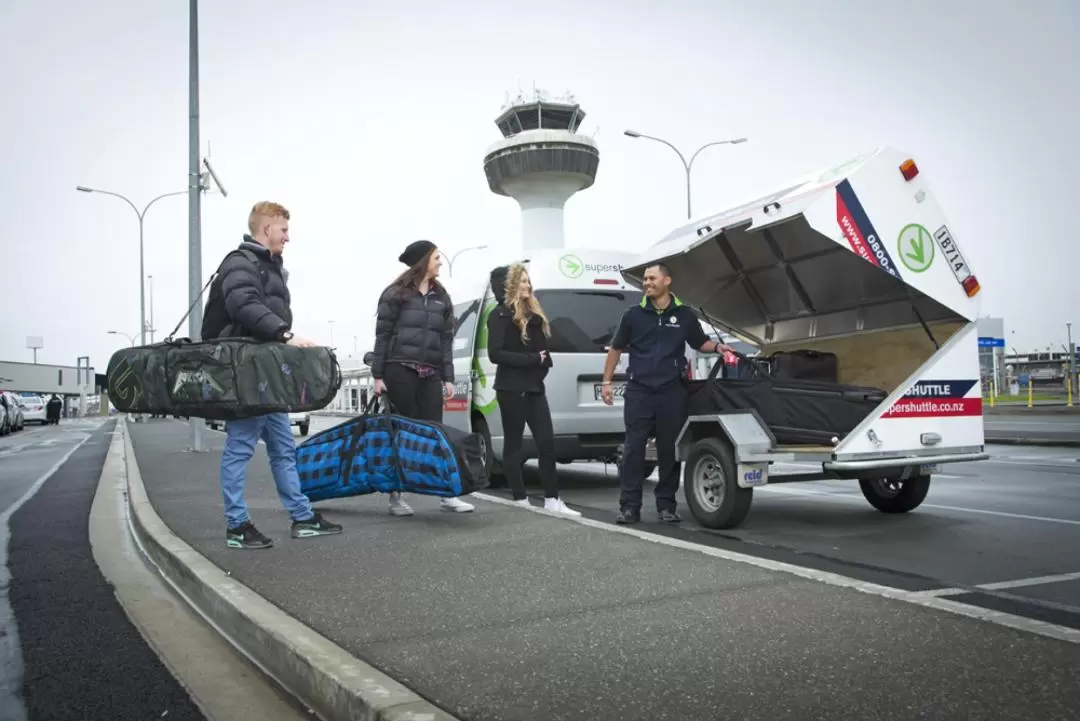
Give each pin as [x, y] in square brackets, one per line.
[415, 252]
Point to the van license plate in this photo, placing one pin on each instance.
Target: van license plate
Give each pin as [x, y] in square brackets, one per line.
[617, 390]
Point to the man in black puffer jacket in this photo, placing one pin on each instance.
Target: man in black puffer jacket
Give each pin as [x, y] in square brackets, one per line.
[249, 298]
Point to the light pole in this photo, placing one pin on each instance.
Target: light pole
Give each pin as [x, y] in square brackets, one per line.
[1072, 359]
[142, 272]
[152, 328]
[450, 263]
[118, 332]
[686, 165]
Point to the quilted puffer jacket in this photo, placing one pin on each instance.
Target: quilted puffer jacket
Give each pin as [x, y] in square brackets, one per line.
[415, 328]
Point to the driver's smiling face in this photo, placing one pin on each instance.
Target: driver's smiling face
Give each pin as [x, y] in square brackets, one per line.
[655, 283]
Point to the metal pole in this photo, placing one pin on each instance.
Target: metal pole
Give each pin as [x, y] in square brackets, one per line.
[689, 215]
[152, 329]
[1072, 359]
[142, 287]
[194, 204]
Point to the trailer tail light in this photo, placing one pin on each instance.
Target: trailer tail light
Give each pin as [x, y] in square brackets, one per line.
[909, 169]
[605, 281]
[971, 286]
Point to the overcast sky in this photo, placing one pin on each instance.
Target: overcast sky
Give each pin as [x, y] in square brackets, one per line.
[370, 122]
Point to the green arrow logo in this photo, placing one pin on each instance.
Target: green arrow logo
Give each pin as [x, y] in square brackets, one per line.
[916, 247]
[571, 266]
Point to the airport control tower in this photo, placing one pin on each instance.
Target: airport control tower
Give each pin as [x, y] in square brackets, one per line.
[540, 162]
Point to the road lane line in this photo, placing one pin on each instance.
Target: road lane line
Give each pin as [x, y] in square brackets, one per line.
[983, 511]
[1019, 623]
[11, 665]
[1034, 581]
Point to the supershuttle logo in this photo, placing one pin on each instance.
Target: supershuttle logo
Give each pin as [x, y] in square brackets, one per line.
[859, 231]
[937, 399]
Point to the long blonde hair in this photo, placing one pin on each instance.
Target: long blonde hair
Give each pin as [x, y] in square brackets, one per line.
[522, 308]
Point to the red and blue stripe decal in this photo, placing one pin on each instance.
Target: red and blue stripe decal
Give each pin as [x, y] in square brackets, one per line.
[937, 399]
[859, 231]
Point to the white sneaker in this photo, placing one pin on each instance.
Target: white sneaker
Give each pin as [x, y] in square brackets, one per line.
[522, 502]
[456, 505]
[556, 505]
[398, 507]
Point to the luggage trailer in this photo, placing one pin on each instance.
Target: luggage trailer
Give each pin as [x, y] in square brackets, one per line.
[857, 261]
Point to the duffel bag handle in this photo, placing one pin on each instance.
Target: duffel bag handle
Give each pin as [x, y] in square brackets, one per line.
[760, 367]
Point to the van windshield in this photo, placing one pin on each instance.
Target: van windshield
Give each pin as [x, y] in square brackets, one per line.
[583, 321]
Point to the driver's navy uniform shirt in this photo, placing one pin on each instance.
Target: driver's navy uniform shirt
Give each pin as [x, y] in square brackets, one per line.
[656, 341]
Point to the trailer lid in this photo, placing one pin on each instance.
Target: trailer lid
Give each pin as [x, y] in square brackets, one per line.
[823, 257]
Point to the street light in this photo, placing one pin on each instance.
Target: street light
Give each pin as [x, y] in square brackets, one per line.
[450, 263]
[152, 329]
[129, 337]
[142, 272]
[686, 165]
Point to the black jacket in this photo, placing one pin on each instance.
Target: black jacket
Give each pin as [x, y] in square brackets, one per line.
[415, 328]
[257, 299]
[518, 365]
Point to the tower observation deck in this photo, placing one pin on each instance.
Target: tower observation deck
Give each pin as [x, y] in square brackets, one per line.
[540, 162]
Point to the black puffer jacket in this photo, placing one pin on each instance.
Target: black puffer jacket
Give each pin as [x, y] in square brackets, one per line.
[257, 299]
[415, 328]
[519, 367]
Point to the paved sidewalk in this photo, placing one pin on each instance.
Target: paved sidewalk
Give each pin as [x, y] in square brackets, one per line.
[507, 614]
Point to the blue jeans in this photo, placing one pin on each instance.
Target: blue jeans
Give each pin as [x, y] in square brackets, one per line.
[241, 438]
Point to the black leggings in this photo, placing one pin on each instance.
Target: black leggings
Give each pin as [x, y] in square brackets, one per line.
[517, 409]
[413, 396]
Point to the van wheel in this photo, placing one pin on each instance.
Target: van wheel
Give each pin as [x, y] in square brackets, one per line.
[304, 428]
[496, 479]
[710, 486]
[895, 496]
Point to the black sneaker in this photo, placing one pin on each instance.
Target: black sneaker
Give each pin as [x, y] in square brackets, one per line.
[668, 516]
[314, 526]
[627, 515]
[246, 536]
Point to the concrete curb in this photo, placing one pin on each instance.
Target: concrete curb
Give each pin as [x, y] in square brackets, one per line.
[1045, 442]
[329, 680]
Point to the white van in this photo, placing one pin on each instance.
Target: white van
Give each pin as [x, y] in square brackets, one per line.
[584, 296]
[860, 262]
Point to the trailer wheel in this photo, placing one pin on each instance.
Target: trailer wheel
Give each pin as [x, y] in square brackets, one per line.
[496, 479]
[710, 486]
[304, 428]
[895, 496]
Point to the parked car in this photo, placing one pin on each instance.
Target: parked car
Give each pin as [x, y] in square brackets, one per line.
[13, 407]
[34, 410]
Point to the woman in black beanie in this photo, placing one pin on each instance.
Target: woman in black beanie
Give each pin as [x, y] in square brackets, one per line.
[413, 361]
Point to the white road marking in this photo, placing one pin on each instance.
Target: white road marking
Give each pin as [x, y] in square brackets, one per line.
[982, 511]
[1035, 581]
[11, 667]
[1019, 623]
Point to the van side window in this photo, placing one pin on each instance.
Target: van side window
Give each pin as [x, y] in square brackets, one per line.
[465, 315]
[583, 321]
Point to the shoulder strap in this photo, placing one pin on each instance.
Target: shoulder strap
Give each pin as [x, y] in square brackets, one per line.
[246, 252]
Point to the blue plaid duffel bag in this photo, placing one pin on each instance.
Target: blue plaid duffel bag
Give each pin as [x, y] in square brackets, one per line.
[381, 452]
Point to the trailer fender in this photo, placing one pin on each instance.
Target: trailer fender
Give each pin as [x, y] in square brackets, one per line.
[746, 434]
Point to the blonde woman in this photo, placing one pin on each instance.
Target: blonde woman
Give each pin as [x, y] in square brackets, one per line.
[518, 332]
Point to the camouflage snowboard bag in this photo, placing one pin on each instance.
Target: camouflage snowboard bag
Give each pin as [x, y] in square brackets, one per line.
[223, 379]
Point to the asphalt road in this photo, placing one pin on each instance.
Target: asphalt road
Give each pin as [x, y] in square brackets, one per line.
[71, 652]
[506, 614]
[1060, 426]
[1001, 522]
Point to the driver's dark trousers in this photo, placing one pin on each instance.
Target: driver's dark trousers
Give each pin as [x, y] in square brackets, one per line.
[647, 410]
